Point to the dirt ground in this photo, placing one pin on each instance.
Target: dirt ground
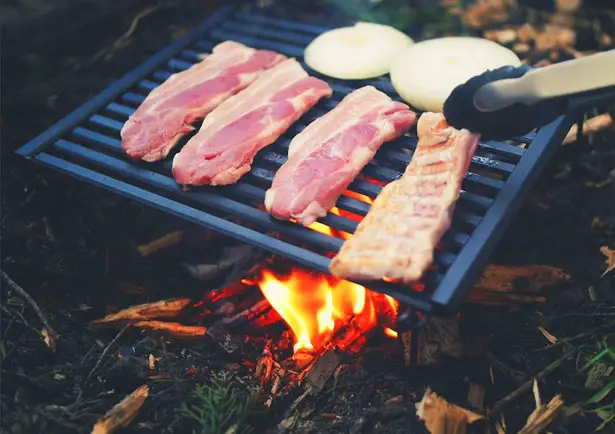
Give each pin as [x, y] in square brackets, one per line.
[73, 248]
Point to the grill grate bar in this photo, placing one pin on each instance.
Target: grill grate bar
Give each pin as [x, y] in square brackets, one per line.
[263, 241]
[205, 198]
[244, 190]
[371, 170]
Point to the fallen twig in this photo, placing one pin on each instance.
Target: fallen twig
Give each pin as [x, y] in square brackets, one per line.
[497, 408]
[106, 351]
[590, 126]
[158, 244]
[519, 376]
[18, 289]
[247, 315]
[122, 413]
[107, 52]
[565, 341]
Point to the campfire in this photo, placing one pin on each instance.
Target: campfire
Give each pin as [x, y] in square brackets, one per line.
[295, 328]
[318, 309]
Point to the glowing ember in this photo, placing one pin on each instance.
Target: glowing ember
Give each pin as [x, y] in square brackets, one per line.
[390, 333]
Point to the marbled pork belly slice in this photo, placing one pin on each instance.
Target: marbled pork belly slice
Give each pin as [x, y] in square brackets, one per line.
[169, 111]
[224, 148]
[327, 155]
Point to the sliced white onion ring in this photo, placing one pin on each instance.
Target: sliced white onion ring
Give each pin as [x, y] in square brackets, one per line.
[426, 73]
[362, 51]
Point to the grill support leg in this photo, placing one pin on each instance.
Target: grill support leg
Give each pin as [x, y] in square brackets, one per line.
[408, 320]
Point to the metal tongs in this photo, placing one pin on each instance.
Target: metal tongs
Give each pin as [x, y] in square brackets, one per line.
[511, 101]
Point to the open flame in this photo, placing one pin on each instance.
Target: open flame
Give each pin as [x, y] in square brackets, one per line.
[317, 308]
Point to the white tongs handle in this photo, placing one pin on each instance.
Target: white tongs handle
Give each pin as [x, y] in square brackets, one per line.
[562, 79]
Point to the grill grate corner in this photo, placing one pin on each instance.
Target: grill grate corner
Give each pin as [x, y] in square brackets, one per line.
[86, 145]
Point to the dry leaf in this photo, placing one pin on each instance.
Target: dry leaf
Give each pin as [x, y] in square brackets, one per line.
[442, 417]
[610, 259]
[49, 341]
[160, 309]
[123, 413]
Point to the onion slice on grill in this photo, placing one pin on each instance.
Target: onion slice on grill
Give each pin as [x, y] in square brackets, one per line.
[362, 51]
[426, 73]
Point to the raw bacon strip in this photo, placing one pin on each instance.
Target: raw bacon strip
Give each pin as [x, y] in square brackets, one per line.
[170, 109]
[397, 238]
[327, 155]
[224, 148]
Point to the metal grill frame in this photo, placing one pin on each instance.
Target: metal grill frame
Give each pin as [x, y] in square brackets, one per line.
[73, 147]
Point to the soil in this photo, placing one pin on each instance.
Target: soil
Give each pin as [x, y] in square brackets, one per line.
[73, 248]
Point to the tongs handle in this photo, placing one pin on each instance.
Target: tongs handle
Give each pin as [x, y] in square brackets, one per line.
[572, 78]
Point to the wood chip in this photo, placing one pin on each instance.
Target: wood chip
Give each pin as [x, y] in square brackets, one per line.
[610, 259]
[442, 417]
[547, 335]
[123, 413]
[504, 36]
[142, 312]
[554, 36]
[500, 278]
[49, 340]
[439, 337]
[540, 418]
[322, 370]
[500, 427]
[172, 329]
[521, 48]
[527, 33]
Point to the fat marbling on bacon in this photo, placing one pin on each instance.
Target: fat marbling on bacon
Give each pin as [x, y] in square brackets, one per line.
[224, 148]
[327, 155]
[397, 238]
[168, 112]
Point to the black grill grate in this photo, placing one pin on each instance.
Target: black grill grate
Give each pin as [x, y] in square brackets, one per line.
[86, 144]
